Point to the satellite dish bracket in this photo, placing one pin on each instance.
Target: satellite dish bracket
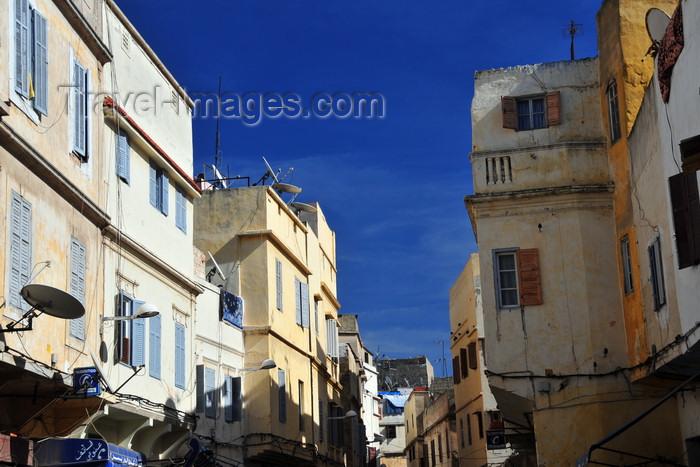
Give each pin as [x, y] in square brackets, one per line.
[29, 316]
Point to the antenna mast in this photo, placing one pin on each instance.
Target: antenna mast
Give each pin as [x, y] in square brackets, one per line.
[573, 30]
[217, 156]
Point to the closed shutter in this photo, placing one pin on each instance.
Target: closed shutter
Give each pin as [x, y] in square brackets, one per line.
[473, 359]
[281, 376]
[41, 64]
[179, 356]
[304, 305]
[297, 299]
[138, 337]
[529, 277]
[228, 401]
[321, 434]
[123, 156]
[210, 396]
[180, 211]
[690, 154]
[153, 186]
[154, 346]
[553, 108]
[686, 218]
[199, 407]
[21, 248]
[510, 113]
[455, 369]
[236, 399]
[22, 47]
[164, 187]
[278, 283]
[77, 285]
[80, 109]
[123, 340]
[463, 363]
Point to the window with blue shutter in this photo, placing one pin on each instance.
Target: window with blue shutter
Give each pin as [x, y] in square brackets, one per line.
[20, 248]
[77, 284]
[22, 47]
[154, 346]
[180, 210]
[158, 189]
[304, 305]
[179, 356]
[200, 387]
[123, 156]
[228, 399]
[282, 386]
[210, 393]
[80, 116]
[123, 329]
[297, 299]
[278, 279]
[138, 339]
[41, 64]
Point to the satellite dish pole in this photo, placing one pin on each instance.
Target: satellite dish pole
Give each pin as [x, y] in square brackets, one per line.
[573, 30]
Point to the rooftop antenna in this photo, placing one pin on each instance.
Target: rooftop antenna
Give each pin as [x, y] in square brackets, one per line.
[217, 156]
[573, 30]
[444, 362]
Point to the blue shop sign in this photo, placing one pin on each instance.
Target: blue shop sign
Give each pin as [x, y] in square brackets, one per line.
[86, 379]
[76, 451]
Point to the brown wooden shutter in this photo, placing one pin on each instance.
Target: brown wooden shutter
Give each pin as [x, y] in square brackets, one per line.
[553, 108]
[455, 369]
[510, 112]
[686, 217]
[463, 362]
[690, 154]
[529, 277]
[473, 360]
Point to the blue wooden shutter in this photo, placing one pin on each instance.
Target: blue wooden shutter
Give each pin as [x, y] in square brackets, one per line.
[138, 337]
[80, 109]
[22, 47]
[297, 299]
[180, 210]
[199, 408]
[164, 186]
[123, 162]
[278, 279]
[153, 186]
[41, 64]
[210, 395]
[154, 346]
[282, 396]
[304, 305]
[77, 284]
[21, 249]
[179, 356]
[228, 399]
[236, 400]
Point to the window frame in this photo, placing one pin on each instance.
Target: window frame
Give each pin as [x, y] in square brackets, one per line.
[626, 261]
[30, 55]
[612, 98]
[159, 186]
[527, 277]
[180, 356]
[656, 272]
[130, 335]
[80, 120]
[535, 120]
[497, 278]
[278, 283]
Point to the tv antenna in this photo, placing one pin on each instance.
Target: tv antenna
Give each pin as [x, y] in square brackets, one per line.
[217, 155]
[573, 29]
[444, 362]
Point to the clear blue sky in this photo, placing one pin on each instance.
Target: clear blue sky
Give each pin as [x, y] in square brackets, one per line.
[391, 188]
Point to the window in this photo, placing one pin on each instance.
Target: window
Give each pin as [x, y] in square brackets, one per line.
[301, 405]
[122, 156]
[432, 452]
[532, 112]
[480, 424]
[131, 334]
[613, 111]
[282, 388]
[455, 369]
[447, 443]
[316, 300]
[233, 405]
[657, 274]
[473, 359]
[206, 391]
[463, 362]
[158, 193]
[301, 291]
[626, 264]
[517, 278]
[31, 56]
[461, 432]
[77, 285]
[469, 429]
[154, 346]
[278, 279]
[20, 248]
[685, 205]
[180, 210]
[332, 338]
[179, 356]
[321, 434]
[390, 431]
[80, 114]
[439, 443]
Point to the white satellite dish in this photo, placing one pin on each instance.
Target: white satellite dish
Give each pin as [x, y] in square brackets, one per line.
[270, 171]
[657, 22]
[219, 177]
[100, 370]
[219, 272]
[286, 188]
[298, 207]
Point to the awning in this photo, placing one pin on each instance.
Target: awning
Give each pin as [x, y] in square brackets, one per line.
[79, 451]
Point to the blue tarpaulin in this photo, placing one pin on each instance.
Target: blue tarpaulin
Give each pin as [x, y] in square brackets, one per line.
[75, 451]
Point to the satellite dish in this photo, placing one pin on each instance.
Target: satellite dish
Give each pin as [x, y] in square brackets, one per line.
[388, 382]
[220, 178]
[657, 22]
[286, 188]
[302, 207]
[52, 301]
[270, 171]
[217, 268]
[100, 370]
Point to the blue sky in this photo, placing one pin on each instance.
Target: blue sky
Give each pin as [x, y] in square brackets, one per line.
[392, 188]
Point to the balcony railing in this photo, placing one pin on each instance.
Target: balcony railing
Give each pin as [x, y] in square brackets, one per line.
[498, 170]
